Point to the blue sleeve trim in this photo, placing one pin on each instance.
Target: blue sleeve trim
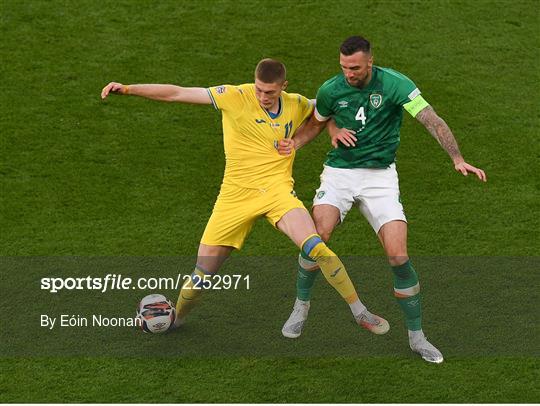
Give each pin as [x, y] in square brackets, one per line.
[212, 98]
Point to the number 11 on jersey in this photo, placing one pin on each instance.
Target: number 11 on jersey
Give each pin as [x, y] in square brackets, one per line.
[288, 128]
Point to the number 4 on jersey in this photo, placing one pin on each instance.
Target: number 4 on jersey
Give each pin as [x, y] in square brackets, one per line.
[360, 115]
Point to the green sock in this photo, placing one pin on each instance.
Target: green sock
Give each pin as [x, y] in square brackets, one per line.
[307, 273]
[407, 293]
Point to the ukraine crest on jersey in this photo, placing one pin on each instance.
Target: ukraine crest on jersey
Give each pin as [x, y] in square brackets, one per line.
[250, 135]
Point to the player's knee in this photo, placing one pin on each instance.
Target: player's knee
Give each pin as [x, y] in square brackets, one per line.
[325, 236]
[326, 218]
[396, 254]
[325, 233]
[397, 258]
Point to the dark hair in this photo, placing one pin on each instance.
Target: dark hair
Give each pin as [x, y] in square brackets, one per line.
[355, 44]
[270, 71]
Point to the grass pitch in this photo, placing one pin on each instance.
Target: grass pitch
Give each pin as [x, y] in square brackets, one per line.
[129, 177]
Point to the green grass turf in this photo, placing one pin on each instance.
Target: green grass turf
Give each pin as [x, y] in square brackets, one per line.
[131, 177]
[343, 380]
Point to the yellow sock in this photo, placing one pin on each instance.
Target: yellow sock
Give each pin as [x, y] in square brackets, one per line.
[189, 294]
[331, 266]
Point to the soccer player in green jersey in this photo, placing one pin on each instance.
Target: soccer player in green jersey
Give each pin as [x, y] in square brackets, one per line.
[363, 107]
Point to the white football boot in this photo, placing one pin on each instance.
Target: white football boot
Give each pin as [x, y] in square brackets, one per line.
[293, 326]
[372, 322]
[419, 344]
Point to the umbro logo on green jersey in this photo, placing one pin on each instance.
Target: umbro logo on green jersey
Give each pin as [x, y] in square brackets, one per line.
[376, 100]
[343, 103]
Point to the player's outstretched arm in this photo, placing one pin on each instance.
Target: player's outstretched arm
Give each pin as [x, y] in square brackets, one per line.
[168, 93]
[303, 135]
[438, 128]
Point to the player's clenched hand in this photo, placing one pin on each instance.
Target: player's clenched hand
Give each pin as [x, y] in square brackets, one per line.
[343, 135]
[285, 146]
[113, 87]
[465, 168]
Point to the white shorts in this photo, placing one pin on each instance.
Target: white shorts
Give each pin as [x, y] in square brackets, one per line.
[374, 191]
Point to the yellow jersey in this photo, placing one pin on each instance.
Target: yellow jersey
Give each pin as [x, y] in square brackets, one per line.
[251, 133]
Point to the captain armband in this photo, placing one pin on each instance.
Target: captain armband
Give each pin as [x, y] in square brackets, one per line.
[416, 105]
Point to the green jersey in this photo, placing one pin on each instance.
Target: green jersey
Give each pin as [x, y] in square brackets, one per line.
[375, 112]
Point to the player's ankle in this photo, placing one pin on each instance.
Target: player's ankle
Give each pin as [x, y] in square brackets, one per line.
[357, 308]
[415, 335]
[301, 302]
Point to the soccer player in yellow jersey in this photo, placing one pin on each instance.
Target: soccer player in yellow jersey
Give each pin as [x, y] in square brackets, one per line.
[257, 181]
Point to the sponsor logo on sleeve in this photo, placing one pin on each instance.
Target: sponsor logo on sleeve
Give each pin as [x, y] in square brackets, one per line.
[220, 89]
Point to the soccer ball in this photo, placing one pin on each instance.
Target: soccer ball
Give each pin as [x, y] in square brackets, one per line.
[156, 314]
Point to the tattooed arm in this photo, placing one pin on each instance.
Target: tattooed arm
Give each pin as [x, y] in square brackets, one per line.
[441, 132]
[438, 128]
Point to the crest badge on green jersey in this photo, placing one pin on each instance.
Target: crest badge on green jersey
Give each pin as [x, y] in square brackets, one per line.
[376, 100]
